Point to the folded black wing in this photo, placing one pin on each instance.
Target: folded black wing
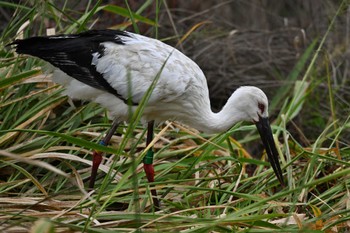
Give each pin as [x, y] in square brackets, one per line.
[73, 53]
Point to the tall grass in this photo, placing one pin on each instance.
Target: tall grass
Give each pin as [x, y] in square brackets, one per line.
[204, 182]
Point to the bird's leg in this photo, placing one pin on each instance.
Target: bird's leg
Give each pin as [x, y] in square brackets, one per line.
[97, 155]
[148, 164]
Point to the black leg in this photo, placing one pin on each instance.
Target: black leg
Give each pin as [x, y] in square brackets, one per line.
[148, 165]
[97, 155]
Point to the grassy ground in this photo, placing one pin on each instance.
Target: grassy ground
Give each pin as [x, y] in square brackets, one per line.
[206, 183]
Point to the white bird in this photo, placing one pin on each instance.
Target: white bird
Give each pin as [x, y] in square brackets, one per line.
[116, 68]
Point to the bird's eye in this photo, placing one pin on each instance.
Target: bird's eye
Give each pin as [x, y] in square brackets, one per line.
[261, 106]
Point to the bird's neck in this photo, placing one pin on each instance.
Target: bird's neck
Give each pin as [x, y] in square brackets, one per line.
[211, 122]
[218, 122]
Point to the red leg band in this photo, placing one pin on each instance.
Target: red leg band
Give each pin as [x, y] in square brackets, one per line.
[149, 170]
[96, 161]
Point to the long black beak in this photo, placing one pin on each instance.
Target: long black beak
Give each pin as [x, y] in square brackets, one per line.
[265, 132]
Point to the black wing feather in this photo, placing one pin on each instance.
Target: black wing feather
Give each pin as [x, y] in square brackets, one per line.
[72, 53]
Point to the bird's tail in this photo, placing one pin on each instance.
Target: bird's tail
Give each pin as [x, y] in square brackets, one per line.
[38, 46]
[47, 46]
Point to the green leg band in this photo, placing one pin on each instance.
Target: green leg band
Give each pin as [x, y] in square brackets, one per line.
[148, 159]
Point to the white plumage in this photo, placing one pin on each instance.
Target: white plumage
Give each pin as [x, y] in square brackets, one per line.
[115, 68]
[136, 63]
[181, 92]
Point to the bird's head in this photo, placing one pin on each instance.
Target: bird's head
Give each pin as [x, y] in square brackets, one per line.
[251, 104]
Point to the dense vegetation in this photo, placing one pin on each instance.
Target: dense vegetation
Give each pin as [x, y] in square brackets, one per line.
[297, 52]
